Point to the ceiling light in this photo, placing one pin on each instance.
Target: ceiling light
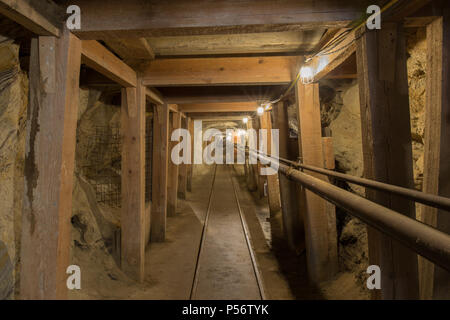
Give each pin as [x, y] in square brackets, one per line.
[306, 74]
[260, 111]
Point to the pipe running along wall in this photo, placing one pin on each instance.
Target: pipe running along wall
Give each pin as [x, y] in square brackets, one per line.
[428, 242]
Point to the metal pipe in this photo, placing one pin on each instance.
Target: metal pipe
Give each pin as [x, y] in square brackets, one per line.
[428, 242]
[414, 195]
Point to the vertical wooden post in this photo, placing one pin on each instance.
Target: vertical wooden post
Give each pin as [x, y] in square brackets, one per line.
[159, 172]
[260, 180]
[172, 192]
[49, 166]
[252, 168]
[273, 187]
[292, 219]
[191, 166]
[387, 151]
[183, 168]
[133, 182]
[320, 244]
[434, 281]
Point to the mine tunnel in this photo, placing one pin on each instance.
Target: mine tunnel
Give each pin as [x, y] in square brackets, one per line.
[224, 150]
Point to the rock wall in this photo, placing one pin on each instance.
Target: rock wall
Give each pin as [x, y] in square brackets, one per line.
[13, 107]
[416, 63]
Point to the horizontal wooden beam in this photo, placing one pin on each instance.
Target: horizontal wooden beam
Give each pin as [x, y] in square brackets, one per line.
[219, 115]
[220, 71]
[97, 57]
[218, 107]
[173, 107]
[338, 55]
[137, 18]
[25, 14]
[131, 49]
[154, 96]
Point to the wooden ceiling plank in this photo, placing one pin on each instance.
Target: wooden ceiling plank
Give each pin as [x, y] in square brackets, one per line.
[136, 18]
[219, 71]
[218, 107]
[22, 12]
[99, 58]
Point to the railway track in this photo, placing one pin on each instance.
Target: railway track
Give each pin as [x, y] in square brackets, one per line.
[226, 266]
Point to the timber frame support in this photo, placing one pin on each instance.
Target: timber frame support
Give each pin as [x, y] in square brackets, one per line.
[387, 150]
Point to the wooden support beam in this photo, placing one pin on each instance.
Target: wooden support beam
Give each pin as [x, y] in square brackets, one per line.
[260, 179]
[273, 187]
[191, 166]
[131, 49]
[172, 192]
[387, 151]
[183, 168]
[97, 57]
[434, 281]
[293, 225]
[220, 71]
[154, 96]
[159, 172]
[219, 107]
[320, 246]
[134, 18]
[252, 168]
[133, 182]
[24, 13]
[339, 55]
[173, 107]
[49, 166]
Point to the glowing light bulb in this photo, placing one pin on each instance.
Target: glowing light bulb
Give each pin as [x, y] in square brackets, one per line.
[268, 106]
[260, 111]
[307, 74]
[245, 120]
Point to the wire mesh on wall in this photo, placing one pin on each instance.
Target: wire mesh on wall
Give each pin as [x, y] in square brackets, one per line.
[103, 171]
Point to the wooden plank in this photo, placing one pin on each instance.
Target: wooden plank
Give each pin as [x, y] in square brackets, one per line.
[337, 56]
[320, 245]
[49, 166]
[97, 57]
[131, 49]
[294, 42]
[133, 182]
[220, 71]
[173, 107]
[191, 166]
[433, 280]
[293, 225]
[387, 151]
[172, 188]
[252, 168]
[219, 107]
[25, 14]
[183, 168]
[134, 18]
[159, 172]
[154, 96]
[273, 187]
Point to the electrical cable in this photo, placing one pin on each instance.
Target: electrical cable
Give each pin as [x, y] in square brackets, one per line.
[328, 48]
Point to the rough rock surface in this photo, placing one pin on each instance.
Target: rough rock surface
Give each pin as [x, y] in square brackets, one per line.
[13, 106]
[417, 60]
